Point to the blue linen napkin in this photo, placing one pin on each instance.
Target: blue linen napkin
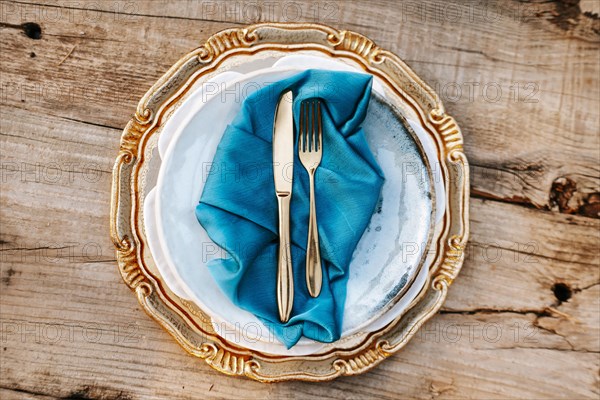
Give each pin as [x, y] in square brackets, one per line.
[238, 207]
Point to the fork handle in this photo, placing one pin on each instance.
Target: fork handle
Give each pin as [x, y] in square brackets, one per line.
[285, 277]
[314, 272]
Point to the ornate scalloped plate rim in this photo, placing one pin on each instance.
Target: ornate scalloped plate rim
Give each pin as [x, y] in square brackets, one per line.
[446, 134]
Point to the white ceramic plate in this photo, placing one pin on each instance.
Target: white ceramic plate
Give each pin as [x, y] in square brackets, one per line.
[187, 145]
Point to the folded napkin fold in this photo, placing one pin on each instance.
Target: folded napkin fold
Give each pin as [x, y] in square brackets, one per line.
[238, 207]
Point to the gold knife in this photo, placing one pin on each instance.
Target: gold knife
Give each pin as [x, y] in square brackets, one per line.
[283, 172]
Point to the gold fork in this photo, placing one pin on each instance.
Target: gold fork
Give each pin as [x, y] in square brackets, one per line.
[310, 151]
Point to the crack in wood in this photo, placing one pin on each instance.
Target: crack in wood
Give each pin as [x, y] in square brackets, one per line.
[115, 12]
[30, 392]
[34, 248]
[475, 311]
[540, 348]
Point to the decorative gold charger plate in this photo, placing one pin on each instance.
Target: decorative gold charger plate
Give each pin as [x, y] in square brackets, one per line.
[188, 324]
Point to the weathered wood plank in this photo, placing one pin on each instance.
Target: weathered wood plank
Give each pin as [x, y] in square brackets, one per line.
[550, 88]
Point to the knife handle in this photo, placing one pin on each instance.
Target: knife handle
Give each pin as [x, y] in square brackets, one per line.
[285, 277]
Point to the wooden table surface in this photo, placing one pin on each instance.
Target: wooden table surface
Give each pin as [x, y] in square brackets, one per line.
[522, 80]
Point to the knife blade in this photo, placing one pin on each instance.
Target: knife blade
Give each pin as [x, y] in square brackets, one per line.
[283, 144]
[283, 170]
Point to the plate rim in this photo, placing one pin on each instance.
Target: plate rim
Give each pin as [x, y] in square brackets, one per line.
[194, 334]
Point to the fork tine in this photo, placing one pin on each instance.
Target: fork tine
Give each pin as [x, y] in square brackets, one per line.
[300, 131]
[312, 133]
[320, 142]
[308, 125]
[306, 128]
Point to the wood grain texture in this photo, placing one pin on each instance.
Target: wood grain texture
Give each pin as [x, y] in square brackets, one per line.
[523, 81]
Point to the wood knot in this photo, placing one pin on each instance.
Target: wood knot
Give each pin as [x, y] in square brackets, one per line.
[562, 291]
[569, 199]
[32, 30]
